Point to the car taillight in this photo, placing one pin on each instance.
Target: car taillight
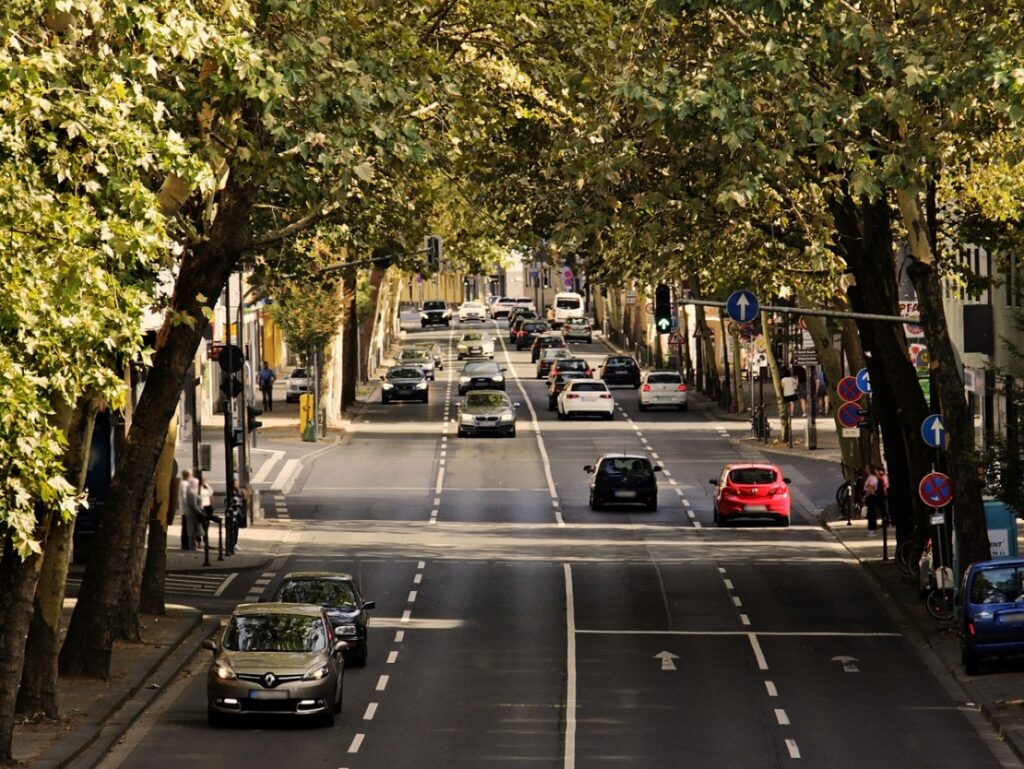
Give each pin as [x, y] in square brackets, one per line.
[606, 395]
[647, 388]
[681, 388]
[970, 629]
[572, 395]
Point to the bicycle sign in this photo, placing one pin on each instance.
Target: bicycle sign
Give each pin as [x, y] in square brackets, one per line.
[936, 490]
[848, 389]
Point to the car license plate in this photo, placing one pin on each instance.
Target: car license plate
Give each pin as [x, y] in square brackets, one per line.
[756, 508]
[1012, 618]
[263, 694]
[625, 494]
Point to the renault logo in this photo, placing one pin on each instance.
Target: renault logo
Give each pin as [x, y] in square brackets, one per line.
[269, 680]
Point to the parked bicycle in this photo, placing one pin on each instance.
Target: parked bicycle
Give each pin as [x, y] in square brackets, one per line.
[848, 501]
[759, 423]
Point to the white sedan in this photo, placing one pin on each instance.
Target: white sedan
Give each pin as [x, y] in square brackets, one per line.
[586, 396]
[475, 344]
[662, 388]
[472, 311]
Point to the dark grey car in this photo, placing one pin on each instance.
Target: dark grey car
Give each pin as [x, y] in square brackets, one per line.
[483, 375]
[404, 383]
[487, 412]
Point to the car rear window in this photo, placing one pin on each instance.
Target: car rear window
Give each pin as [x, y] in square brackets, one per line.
[629, 466]
[535, 326]
[998, 585]
[552, 341]
[749, 476]
[570, 303]
[524, 300]
[620, 362]
[572, 365]
[577, 322]
[663, 379]
[589, 387]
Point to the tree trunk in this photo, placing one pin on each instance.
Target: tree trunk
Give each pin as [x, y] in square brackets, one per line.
[18, 577]
[864, 236]
[154, 575]
[204, 272]
[38, 690]
[126, 620]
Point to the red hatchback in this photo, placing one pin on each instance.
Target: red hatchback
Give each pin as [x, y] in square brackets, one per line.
[751, 491]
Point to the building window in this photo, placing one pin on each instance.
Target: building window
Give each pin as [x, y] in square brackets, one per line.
[1013, 282]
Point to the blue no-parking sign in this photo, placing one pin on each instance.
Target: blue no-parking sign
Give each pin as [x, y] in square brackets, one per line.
[742, 306]
[936, 490]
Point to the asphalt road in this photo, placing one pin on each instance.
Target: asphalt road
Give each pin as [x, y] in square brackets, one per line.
[516, 628]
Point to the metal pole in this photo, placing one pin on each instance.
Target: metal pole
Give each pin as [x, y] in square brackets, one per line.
[243, 412]
[812, 392]
[903, 319]
[229, 451]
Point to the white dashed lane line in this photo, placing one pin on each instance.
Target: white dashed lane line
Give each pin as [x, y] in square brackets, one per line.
[382, 683]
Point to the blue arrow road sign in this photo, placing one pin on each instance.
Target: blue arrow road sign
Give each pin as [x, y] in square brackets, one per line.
[934, 431]
[864, 381]
[742, 306]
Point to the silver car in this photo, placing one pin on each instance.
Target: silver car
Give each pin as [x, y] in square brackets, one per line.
[487, 412]
[435, 352]
[475, 344]
[297, 384]
[423, 359]
[277, 659]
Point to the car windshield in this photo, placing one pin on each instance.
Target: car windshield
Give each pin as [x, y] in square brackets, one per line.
[588, 386]
[299, 373]
[630, 467]
[751, 476]
[326, 592]
[472, 306]
[663, 379]
[472, 337]
[405, 373]
[490, 400]
[413, 355]
[998, 585]
[275, 633]
[481, 369]
[433, 305]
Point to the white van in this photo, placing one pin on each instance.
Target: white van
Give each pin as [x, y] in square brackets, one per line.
[567, 305]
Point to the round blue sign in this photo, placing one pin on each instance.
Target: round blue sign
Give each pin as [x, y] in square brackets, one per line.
[864, 381]
[742, 306]
[934, 431]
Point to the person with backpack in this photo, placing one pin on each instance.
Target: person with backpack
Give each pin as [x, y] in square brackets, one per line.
[266, 378]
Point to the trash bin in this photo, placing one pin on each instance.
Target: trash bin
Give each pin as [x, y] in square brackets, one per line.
[1001, 523]
[307, 415]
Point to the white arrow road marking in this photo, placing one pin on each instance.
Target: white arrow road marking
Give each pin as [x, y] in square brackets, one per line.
[667, 658]
[847, 663]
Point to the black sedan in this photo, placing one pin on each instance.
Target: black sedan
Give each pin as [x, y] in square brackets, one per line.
[530, 330]
[340, 597]
[404, 383]
[620, 370]
[623, 479]
[543, 343]
[481, 375]
[487, 412]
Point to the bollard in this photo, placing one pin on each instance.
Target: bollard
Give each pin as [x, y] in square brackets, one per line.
[206, 548]
[220, 540]
[885, 540]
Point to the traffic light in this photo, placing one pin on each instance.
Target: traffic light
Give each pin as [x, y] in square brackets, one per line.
[230, 360]
[236, 438]
[663, 308]
[434, 250]
[251, 422]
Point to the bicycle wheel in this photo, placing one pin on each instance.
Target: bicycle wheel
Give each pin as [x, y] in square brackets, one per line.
[908, 557]
[844, 500]
[940, 603]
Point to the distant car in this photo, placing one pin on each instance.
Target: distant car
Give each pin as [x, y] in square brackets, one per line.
[623, 479]
[502, 307]
[276, 658]
[487, 412]
[489, 301]
[516, 322]
[545, 342]
[567, 304]
[296, 384]
[411, 356]
[585, 396]
[662, 388]
[548, 358]
[557, 382]
[435, 313]
[474, 311]
[339, 596]
[751, 490]
[404, 383]
[621, 370]
[482, 375]
[520, 311]
[991, 611]
[529, 330]
[435, 352]
[561, 365]
[475, 344]
[578, 328]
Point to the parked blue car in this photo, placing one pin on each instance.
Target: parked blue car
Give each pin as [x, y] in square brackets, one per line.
[991, 611]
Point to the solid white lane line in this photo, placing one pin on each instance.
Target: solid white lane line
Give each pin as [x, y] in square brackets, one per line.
[357, 743]
[794, 751]
[781, 717]
[569, 759]
[770, 686]
[371, 711]
[392, 658]
[399, 636]
[406, 615]
[412, 596]
[762, 663]
[417, 579]
[382, 683]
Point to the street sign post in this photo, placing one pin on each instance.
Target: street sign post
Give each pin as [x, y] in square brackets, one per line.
[936, 490]
[864, 381]
[742, 306]
[849, 415]
[848, 389]
[934, 431]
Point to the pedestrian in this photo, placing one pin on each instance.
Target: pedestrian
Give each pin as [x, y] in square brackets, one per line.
[183, 509]
[790, 394]
[801, 389]
[206, 507]
[882, 495]
[266, 379]
[870, 493]
[194, 512]
[235, 516]
[822, 391]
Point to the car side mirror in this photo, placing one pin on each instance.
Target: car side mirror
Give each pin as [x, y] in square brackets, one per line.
[516, 405]
[369, 604]
[657, 468]
[339, 646]
[588, 468]
[209, 643]
[713, 481]
[786, 481]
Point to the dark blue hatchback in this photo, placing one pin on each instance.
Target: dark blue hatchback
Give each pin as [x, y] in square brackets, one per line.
[991, 611]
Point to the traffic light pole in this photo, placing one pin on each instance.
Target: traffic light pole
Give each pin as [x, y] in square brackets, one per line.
[229, 450]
